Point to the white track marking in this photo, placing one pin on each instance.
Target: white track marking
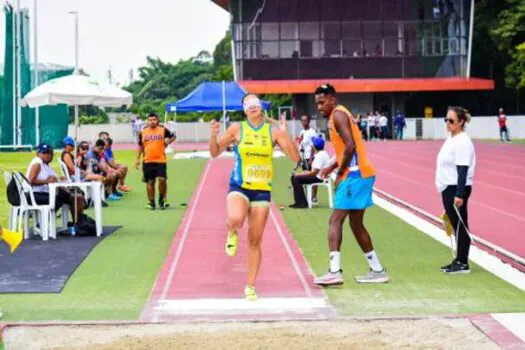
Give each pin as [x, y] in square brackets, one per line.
[480, 257]
[224, 306]
[296, 267]
[514, 322]
[180, 246]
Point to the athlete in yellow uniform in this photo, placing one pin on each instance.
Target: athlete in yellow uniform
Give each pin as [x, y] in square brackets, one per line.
[251, 178]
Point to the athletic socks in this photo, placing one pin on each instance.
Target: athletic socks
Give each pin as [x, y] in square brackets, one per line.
[335, 262]
[373, 261]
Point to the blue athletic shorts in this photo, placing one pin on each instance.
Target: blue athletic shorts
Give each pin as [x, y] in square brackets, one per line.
[354, 193]
[253, 196]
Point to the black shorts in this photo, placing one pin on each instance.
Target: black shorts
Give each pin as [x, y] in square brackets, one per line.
[151, 171]
[62, 197]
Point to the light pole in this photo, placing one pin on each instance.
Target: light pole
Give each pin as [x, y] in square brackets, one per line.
[35, 71]
[75, 13]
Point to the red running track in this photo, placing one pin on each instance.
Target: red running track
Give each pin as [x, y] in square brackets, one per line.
[496, 208]
[198, 268]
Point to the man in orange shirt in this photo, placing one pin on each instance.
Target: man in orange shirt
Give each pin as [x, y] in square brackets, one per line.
[353, 189]
[153, 141]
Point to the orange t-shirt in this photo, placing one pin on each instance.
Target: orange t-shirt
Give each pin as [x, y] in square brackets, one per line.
[360, 158]
[154, 142]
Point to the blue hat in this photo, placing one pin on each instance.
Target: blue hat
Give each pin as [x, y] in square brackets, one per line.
[318, 143]
[44, 148]
[68, 141]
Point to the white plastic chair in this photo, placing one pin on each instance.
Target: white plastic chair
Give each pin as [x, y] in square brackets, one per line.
[45, 214]
[326, 183]
[64, 170]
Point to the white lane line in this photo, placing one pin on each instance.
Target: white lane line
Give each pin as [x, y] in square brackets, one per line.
[480, 257]
[235, 306]
[175, 261]
[295, 264]
[514, 322]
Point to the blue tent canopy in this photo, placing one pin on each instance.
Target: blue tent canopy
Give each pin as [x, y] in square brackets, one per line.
[212, 96]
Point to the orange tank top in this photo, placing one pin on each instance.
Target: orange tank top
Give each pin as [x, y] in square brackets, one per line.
[153, 141]
[359, 160]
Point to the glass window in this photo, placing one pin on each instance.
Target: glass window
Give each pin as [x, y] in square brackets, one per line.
[309, 30]
[331, 30]
[392, 28]
[289, 49]
[270, 49]
[237, 32]
[289, 30]
[412, 46]
[332, 48]
[373, 47]
[251, 50]
[352, 48]
[393, 47]
[270, 31]
[310, 48]
[372, 29]
[351, 30]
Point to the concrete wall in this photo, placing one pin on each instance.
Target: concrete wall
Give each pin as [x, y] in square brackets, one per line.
[479, 128]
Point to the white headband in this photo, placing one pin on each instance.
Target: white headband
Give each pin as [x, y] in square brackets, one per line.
[254, 102]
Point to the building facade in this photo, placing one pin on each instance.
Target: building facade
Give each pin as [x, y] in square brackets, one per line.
[376, 52]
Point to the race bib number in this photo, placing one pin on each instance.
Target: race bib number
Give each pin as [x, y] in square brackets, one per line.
[257, 174]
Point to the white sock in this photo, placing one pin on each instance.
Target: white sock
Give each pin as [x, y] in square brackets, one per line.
[373, 261]
[335, 261]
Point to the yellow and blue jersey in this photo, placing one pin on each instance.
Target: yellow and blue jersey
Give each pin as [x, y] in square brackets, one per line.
[253, 169]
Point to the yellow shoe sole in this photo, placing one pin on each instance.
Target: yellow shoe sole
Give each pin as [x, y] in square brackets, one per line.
[231, 245]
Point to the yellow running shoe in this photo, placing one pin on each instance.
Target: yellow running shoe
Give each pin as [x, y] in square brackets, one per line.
[249, 293]
[231, 243]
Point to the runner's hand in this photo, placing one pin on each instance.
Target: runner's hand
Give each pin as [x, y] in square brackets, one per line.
[137, 164]
[215, 128]
[458, 202]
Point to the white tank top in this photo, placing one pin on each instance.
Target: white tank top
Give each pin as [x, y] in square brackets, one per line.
[45, 172]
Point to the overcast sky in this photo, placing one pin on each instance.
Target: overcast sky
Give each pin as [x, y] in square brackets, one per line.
[121, 33]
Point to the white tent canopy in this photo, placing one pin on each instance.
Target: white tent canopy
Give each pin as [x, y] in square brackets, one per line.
[77, 90]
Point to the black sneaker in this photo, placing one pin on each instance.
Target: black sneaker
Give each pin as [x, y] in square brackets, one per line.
[446, 267]
[163, 205]
[458, 267]
[297, 206]
[150, 206]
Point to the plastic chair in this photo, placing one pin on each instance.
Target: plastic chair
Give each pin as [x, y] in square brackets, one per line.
[326, 183]
[44, 213]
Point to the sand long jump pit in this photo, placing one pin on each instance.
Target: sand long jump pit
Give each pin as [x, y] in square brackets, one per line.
[435, 333]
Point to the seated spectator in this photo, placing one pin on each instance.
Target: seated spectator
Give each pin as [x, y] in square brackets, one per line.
[321, 161]
[97, 165]
[40, 175]
[121, 169]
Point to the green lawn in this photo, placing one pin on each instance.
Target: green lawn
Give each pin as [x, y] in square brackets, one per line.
[115, 280]
[411, 258]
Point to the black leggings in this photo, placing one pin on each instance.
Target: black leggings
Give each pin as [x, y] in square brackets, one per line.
[298, 192]
[463, 238]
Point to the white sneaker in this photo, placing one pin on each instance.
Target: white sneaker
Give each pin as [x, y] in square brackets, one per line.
[373, 277]
[330, 279]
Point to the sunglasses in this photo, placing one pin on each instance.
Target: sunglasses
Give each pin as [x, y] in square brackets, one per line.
[84, 148]
[449, 121]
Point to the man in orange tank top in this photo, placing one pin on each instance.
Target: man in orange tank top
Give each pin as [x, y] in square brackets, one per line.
[353, 189]
[153, 141]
